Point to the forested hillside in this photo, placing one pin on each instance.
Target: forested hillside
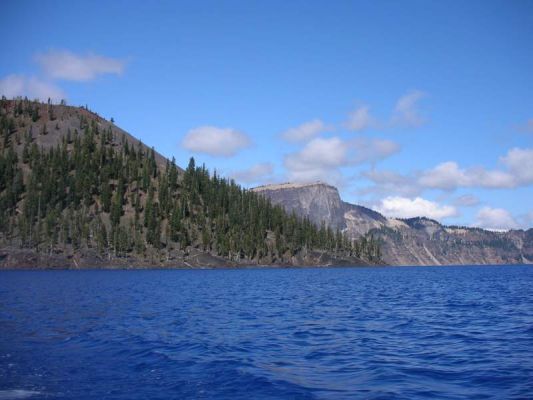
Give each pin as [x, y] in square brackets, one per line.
[76, 190]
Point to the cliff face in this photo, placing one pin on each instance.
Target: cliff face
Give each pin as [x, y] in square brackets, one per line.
[319, 202]
[420, 241]
[414, 241]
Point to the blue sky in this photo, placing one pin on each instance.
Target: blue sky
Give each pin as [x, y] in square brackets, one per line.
[409, 107]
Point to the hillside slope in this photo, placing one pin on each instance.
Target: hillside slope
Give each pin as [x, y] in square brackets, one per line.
[415, 241]
[77, 191]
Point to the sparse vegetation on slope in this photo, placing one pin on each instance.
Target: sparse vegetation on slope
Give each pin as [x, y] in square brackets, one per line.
[72, 184]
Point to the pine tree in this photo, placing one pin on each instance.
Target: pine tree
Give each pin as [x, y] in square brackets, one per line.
[66, 197]
[116, 209]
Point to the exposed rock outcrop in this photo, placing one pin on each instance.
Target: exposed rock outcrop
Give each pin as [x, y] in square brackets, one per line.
[414, 241]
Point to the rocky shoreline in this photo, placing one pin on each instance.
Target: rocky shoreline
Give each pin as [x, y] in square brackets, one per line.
[16, 258]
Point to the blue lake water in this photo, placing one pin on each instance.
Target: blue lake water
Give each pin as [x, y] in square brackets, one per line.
[371, 333]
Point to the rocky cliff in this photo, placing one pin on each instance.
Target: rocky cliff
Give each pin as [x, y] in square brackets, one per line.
[414, 241]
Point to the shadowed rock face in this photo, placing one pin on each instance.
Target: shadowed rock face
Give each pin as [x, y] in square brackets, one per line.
[414, 241]
[319, 202]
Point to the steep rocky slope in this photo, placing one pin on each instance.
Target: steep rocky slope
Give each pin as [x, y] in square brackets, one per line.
[415, 241]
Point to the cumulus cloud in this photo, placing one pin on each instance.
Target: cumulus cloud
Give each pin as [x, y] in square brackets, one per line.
[406, 112]
[520, 165]
[321, 158]
[256, 173]
[318, 160]
[360, 119]
[449, 176]
[218, 142]
[497, 219]
[404, 207]
[516, 171]
[34, 88]
[62, 64]
[305, 131]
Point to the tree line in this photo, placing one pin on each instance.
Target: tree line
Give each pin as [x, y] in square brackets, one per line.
[95, 190]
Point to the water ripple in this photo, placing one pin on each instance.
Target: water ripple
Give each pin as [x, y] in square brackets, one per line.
[402, 333]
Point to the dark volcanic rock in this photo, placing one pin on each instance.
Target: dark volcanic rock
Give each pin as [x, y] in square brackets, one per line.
[15, 258]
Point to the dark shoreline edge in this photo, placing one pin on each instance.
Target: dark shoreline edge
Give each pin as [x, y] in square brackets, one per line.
[24, 259]
[248, 267]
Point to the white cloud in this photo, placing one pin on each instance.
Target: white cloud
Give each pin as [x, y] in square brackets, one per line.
[517, 171]
[495, 219]
[403, 207]
[254, 174]
[305, 131]
[74, 67]
[520, 164]
[446, 175]
[318, 160]
[360, 119]
[34, 88]
[449, 176]
[406, 112]
[222, 142]
[321, 158]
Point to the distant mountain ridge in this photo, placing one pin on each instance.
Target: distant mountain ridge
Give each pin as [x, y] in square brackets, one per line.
[413, 241]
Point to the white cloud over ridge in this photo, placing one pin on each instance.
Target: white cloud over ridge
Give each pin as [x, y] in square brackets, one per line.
[321, 158]
[449, 176]
[63, 64]
[497, 219]
[404, 207]
[318, 160]
[517, 171]
[307, 130]
[31, 87]
[214, 141]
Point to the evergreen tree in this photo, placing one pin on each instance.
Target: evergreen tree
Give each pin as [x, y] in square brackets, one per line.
[90, 191]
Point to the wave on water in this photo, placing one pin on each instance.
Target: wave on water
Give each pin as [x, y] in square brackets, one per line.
[402, 333]
[17, 394]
